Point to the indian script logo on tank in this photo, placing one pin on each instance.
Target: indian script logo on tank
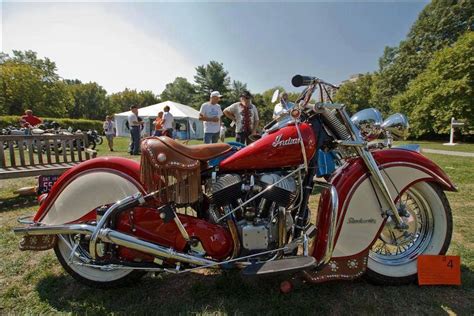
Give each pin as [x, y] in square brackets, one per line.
[279, 142]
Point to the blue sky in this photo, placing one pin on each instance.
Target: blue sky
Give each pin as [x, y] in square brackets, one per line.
[146, 45]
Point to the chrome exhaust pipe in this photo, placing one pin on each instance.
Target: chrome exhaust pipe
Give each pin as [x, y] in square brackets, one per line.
[115, 237]
[54, 230]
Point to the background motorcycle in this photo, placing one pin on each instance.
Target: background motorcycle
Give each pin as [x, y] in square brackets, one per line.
[98, 140]
[379, 209]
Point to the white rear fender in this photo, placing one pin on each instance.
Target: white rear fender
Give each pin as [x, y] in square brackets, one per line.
[83, 189]
[86, 192]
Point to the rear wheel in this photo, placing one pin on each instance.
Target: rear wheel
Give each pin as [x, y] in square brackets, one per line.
[393, 257]
[94, 277]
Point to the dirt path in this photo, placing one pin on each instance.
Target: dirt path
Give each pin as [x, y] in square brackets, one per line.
[447, 152]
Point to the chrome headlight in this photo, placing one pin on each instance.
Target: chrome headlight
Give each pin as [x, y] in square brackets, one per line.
[397, 125]
[368, 121]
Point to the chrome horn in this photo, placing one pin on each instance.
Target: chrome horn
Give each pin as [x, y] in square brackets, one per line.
[369, 122]
[397, 125]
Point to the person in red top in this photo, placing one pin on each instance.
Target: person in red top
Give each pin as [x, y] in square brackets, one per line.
[29, 120]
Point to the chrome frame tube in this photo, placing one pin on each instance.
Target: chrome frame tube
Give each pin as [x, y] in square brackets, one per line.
[105, 218]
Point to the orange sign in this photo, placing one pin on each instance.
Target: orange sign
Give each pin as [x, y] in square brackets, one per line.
[439, 270]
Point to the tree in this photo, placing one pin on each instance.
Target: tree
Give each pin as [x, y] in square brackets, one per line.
[236, 89]
[357, 94]
[439, 25]
[148, 98]
[31, 83]
[208, 78]
[180, 90]
[444, 90]
[122, 101]
[90, 100]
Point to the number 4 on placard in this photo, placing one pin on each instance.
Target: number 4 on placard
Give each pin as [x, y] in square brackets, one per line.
[450, 264]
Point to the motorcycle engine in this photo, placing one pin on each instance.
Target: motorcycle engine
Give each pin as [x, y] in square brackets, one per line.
[264, 222]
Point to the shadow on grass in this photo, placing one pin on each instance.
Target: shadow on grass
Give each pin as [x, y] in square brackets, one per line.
[17, 202]
[230, 293]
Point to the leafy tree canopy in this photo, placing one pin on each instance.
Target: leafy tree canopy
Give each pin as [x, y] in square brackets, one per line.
[439, 25]
[180, 90]
[90, 100]
[356, 95]
[122, 101]
[444, 90]
[29, 82]
[208, 78]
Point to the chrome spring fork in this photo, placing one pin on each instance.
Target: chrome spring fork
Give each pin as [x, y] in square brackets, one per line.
[373, 169]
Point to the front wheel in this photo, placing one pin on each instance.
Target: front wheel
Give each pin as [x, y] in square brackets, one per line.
[393, 257]
[91, 276]
[92, 144]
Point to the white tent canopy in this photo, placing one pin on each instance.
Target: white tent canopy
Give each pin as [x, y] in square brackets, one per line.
[186, 120]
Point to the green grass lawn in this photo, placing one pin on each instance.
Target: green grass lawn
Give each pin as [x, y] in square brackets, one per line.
[34, 282]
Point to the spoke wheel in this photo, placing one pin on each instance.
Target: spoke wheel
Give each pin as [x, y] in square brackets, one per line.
[393, 256]
[394, 247]
[69, 254]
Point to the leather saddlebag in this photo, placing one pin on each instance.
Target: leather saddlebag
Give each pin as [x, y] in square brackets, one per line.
[177, 177]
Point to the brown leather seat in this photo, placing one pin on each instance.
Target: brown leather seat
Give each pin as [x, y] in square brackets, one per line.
[199, 152]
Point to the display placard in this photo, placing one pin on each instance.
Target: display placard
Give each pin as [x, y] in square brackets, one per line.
[439, 270]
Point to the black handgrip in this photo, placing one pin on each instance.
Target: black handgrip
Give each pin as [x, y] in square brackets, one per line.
[300, 80]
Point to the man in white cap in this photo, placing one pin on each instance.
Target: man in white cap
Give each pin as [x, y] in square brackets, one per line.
[284, 107]
[210, 114]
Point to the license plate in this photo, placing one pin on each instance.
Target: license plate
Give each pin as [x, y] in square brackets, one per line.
[45, 183]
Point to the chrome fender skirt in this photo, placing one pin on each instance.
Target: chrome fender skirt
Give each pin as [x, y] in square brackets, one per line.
[88, 185]
[359, 218]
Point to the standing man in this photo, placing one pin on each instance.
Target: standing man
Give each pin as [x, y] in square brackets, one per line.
[245, 116]
[168, 121]
[134, 124]
[210, 114]
[109, 131]
[284, 106]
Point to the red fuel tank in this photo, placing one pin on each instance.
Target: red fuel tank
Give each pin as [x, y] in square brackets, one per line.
[277, 150]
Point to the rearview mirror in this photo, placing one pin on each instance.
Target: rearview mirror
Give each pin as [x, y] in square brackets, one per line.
[369, 122]
[397, 124]
[275, 96]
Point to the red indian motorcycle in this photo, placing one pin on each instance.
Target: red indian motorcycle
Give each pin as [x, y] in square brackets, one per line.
[111, 220]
